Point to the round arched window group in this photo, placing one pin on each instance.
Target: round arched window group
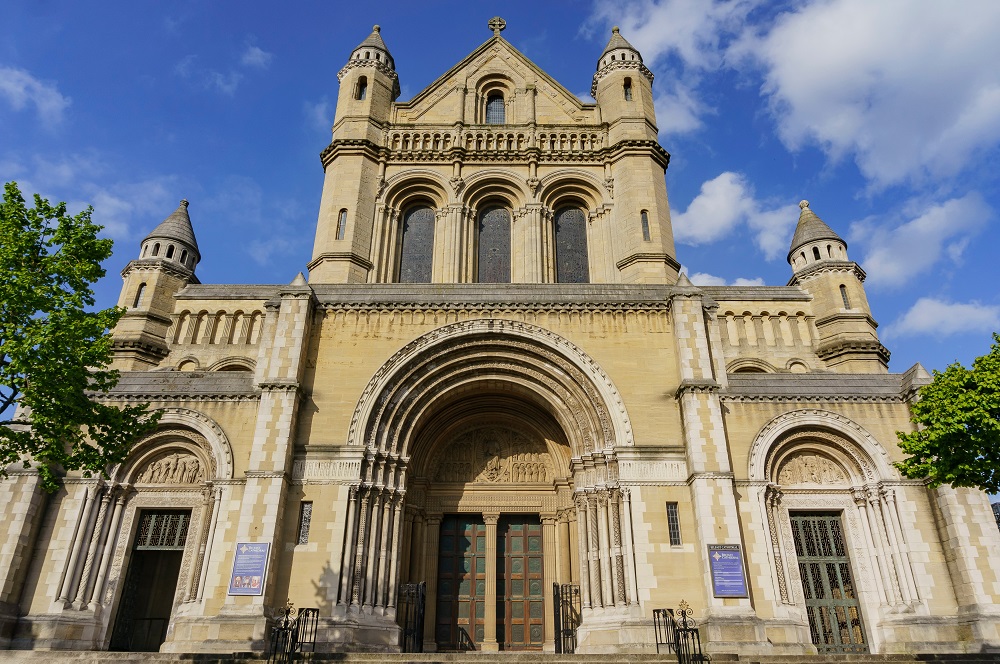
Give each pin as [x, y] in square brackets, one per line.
[493, 245]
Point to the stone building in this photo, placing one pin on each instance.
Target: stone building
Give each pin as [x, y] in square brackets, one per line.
[495, 381]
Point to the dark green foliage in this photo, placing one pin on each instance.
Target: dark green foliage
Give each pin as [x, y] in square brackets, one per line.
[54, 353]
[958, 420]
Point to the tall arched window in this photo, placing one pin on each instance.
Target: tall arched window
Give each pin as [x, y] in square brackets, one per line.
[571, 247]
[170, 251]
[816, 253]
[843, 295]
[494, 246]
[341, 224]
[156, 249]
[644, 218]
[138, 295]
[362, 90]
[416, 245]
[628, 89]
[495, 108]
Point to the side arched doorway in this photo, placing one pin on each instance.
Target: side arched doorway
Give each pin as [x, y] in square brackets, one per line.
[489, 474]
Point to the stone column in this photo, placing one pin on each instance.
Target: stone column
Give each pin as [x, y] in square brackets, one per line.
[564, 573]
[549, 548]
[395, 552]
[633, 586]
[489, 643]
[583, 550]
[871, 535]
[209, 544]
[83, 593]
[418, 551]
[604, 548]
[82, 525]
[108, 552]
[433, 530]
[347, 562]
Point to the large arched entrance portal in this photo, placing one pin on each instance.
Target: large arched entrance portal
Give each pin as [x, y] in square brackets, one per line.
[489, 474]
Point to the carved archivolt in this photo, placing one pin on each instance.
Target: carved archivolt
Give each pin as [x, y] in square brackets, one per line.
[492, 455]
[593, 412]
[186, 432]
[856, 449]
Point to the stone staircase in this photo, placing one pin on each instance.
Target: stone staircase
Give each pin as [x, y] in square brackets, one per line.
[96, 657]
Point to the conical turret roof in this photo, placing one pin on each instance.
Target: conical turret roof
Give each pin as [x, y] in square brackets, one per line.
[616, 42]
[375, 39]
[811, 228]
[177, 227]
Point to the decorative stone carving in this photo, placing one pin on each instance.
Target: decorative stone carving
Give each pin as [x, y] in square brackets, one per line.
[178, 468]
[493, 455]
[808, 468]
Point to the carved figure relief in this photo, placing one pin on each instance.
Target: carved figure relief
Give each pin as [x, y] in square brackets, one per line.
[493, 455]
[811, 469]
[176, 468]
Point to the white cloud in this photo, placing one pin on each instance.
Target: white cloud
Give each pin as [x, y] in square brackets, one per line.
[319, 115]
[688, 29]
[939, 318]
[897, 254]
[706, 279]
[682, 36]
[254, 56]
[120, 204]
[224, 83]
[20, 89]
[728, 201]
[907, 89]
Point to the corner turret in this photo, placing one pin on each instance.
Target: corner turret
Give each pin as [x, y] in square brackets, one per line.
[623, 88]
[368, 86]
[167, 259]
[848, 340]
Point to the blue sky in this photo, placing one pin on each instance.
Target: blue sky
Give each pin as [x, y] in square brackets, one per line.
[885, 115]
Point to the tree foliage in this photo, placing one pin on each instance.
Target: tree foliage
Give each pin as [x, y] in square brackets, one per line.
[957, 440]
[54, 353]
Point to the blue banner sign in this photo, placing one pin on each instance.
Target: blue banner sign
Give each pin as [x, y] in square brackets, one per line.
[249, 568]
[726, 563]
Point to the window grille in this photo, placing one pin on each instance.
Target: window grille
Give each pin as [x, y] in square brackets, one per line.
[495, 109]
[673, 524]
[843, 295]
[138, 295]
[305, 519]
[162, 531]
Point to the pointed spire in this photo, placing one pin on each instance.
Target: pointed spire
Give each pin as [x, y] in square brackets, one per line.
[374, 42]
[615, 43]
[811, 228]
[177, 227]
[683, 281]
[299, 280]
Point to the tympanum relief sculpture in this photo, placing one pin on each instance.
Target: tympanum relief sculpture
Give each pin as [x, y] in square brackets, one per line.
[176, 468]
[493, 455]
[811, 469]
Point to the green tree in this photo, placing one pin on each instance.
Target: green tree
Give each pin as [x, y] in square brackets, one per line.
[54, 353]
[957, 441]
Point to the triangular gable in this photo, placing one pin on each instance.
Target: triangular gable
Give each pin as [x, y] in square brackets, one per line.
[439, 101]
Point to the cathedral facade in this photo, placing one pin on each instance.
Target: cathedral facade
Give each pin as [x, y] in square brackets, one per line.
[496, 387]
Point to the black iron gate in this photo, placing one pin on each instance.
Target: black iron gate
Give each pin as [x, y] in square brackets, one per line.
[678, 633]
[831, 595]
[410, 613]
[566, 603]
[293, 635]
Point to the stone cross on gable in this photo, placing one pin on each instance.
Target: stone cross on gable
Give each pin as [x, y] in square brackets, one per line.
[497, 25]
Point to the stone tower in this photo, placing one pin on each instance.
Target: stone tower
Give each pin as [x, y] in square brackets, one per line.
[847, 337]
[368, 87]
[167, 260]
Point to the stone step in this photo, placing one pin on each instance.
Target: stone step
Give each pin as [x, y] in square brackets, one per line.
[96, 657]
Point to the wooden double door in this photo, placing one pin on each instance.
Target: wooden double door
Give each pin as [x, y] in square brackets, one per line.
[463, 591]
